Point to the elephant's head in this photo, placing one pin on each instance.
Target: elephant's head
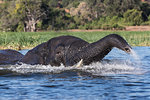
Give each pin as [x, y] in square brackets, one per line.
[57, 55]
[117, 41]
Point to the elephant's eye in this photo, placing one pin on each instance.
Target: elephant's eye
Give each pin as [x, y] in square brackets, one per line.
[58, 52]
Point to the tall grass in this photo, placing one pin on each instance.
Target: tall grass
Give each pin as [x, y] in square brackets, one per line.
[17, 40]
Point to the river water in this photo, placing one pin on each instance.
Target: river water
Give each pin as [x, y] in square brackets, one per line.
[119, 76]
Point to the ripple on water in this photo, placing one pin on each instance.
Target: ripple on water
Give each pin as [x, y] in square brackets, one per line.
[115, 78]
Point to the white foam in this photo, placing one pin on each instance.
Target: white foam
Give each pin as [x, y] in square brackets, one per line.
[99, 68]
[111, 69]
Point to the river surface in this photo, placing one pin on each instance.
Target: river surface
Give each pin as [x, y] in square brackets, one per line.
[119, 77]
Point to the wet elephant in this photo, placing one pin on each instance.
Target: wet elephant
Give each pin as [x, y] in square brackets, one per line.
[69, 50]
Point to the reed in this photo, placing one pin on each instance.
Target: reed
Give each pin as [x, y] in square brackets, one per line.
[28, 40]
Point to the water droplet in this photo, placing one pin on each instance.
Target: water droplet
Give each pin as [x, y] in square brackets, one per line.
[136, 57]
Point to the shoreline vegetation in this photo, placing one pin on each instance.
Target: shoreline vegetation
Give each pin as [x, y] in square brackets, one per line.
[22, 22]
[29, 40]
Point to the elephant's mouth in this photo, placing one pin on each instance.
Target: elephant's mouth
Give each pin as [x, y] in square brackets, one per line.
[128, 49]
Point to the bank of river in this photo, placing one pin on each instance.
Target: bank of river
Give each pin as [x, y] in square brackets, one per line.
[28, 40]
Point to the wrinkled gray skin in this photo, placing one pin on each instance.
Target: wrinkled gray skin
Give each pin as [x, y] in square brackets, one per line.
[69, 50]
[9, 56]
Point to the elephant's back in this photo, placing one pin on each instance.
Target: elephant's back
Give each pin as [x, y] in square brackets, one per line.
[9, 56]
[74, 42]
[70, 42]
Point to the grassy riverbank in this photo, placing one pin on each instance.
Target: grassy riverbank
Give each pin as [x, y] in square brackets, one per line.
[27, 40]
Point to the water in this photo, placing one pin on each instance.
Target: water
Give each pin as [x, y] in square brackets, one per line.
[136, 57]
[119, 77]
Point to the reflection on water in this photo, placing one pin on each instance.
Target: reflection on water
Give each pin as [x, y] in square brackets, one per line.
[119, 76]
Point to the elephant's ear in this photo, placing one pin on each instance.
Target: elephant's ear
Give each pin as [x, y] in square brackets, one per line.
[48, 44]
[42, 50]
[59, 53]
[59, 49]
[44, 53]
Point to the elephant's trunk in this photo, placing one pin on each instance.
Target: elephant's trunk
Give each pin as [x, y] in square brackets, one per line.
[98, 50]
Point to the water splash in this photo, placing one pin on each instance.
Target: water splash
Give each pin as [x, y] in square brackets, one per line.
[106, 67]
[99, 68]
[136, 57]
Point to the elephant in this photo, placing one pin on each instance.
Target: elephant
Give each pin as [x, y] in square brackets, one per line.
[9, 56]
[69, 50]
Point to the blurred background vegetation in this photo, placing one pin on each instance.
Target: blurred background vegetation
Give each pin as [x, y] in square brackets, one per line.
[47, 15]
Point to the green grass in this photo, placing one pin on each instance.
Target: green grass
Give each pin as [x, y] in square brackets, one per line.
[16, 40]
